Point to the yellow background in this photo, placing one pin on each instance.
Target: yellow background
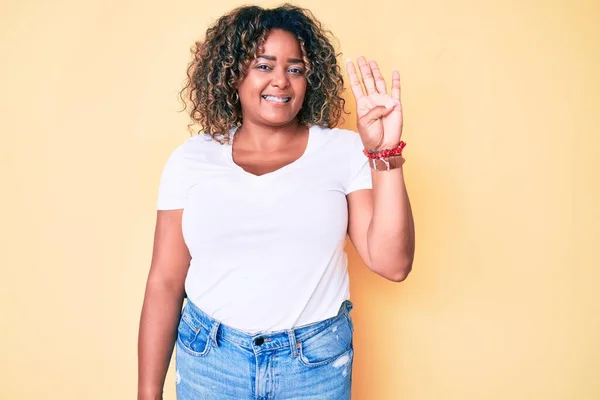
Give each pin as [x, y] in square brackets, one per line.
[502, 104]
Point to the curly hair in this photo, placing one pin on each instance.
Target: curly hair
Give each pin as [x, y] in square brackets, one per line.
[230, 45]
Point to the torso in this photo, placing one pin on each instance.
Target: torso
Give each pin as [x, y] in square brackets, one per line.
[279, 236]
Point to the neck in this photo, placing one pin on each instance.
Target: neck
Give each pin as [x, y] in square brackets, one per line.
[256, 137]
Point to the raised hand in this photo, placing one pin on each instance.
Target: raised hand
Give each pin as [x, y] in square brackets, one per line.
[379, 113]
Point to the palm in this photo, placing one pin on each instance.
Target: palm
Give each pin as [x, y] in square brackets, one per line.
[386, 131]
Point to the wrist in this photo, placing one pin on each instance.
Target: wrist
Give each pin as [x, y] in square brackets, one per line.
[386, 163]
[382, 146]
[385, 159]
[385, 152]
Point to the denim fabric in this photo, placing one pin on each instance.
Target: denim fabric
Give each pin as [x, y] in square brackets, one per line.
[217, 362]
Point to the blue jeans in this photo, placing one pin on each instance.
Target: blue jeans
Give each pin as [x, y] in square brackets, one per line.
[311, 362]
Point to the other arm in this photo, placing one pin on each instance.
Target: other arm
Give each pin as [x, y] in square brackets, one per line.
[162, 304]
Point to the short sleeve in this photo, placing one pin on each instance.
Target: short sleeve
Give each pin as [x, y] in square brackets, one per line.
[360, 172]
[173, 187]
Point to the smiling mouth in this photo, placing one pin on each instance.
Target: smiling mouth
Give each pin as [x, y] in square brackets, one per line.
[277, 99]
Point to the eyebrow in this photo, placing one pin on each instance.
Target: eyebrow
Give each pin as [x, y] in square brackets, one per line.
[290, 60]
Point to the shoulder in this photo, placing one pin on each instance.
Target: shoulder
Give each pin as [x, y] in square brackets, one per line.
[345, 140]
[195, 148]
[200, 142]
[337, 136]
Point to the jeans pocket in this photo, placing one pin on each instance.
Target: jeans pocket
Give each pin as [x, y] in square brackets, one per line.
[328, 345]
[192, 336]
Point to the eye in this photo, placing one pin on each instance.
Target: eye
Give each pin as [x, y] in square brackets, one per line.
[296, 70]
[263, 67]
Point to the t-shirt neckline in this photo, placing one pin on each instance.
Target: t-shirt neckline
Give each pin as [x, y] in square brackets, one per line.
[228, 153]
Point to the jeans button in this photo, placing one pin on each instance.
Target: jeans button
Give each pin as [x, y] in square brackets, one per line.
[259, 341]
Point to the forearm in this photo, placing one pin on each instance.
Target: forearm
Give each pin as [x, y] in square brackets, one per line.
[157, 334]
[391, 233]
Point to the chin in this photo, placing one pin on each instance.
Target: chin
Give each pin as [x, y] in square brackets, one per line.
[278, 120]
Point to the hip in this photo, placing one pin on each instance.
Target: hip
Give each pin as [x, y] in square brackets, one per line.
[215, 361]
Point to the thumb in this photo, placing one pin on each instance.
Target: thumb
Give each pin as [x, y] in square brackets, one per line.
[378, 112]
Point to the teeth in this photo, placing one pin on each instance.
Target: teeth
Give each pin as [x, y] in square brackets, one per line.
[278, 99]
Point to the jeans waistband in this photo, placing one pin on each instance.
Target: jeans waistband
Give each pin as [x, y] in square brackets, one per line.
[264, 340]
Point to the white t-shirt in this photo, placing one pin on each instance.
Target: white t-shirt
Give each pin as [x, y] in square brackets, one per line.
[267, 251]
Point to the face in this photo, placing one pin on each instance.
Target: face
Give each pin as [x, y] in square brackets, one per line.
[273, 90]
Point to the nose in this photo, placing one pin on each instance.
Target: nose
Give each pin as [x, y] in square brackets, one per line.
[280, 79]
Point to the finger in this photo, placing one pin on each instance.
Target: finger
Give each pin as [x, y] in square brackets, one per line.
[367, 75]
[396, 85]
[357, 89]
[376, 113]
[379, 81]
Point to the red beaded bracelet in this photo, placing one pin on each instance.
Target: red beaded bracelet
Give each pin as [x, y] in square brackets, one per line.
[397, 151]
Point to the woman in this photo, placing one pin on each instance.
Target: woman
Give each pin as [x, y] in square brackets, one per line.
[253, 215]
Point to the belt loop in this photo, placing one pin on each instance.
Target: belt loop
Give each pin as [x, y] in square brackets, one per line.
[345, 307]
[292, 336]
[213, 332]
[349, 306]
